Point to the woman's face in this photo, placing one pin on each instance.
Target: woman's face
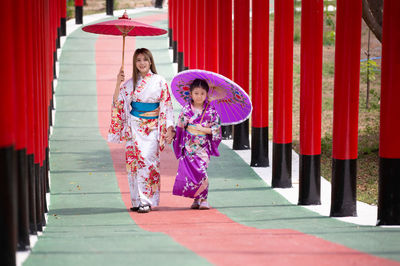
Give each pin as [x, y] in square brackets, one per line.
[142, 64]
[198, 95]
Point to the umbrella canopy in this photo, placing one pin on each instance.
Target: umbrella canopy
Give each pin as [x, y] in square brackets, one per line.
[229, 99]
[124, 26]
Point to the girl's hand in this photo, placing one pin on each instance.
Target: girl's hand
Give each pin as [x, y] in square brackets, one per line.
[170, 135]
[199, 127]
[206, 130]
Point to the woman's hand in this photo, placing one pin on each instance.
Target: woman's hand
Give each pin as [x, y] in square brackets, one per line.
[120, 76]
[170, 135]
[120, 79]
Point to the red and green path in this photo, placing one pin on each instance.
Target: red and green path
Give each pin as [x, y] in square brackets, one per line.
[89, 222]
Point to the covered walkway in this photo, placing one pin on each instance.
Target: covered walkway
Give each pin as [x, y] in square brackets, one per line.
[89, 222]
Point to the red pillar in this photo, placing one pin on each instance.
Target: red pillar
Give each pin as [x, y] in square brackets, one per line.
[185, 25]
[8, 192]
[48, 51]
[58, 20]
[225, 38]
[241, 65]
[211, 42]
[20, 81]
[22, 126]
[259, 83]
[283, 91]
[53, 26]
[200, 38]
[63, 17]
[30, 115]
[175, 29]
[345, 108]
[56, 4]
[8, 137]
[180, 35]
[312, 17]
[78, 11]
[225, 48]
[48, 93]
[110, 7]
[35, 112]
[192, 34]
[389, 142]
[170, 22]
[41, 88]
[38, 110]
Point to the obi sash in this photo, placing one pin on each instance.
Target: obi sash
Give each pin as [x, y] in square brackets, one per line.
[191, 128]
[145, 110]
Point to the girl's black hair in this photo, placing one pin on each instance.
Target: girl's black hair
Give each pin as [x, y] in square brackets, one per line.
[199, 83]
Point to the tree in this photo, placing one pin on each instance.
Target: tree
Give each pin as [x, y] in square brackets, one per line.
[372, 14]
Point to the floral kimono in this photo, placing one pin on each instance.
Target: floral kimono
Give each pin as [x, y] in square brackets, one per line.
[193, 149]
[144, 134]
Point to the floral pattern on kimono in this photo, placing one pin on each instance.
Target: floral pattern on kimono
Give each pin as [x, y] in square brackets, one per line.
[144, 138]
[194, 151]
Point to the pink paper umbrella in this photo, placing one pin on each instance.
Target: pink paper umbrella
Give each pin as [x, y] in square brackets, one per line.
[124, 26]
[229, 99]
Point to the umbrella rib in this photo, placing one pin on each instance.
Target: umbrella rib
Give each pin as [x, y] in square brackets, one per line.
[244, 111]
[233, 113]
[230, 114]
[191, 76]
[226, 112]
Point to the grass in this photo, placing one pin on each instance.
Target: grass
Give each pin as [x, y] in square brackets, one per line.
[368, 137]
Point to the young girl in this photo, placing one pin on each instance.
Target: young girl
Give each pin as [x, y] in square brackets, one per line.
[198, 134]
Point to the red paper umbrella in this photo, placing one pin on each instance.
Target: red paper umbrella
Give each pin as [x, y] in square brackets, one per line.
[124, 26]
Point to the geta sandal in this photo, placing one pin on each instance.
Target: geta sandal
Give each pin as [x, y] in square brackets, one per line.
[144, 209]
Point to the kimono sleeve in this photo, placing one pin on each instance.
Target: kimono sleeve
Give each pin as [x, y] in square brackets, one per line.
[119, 129]
[179, 141]
[166, 116]
[215, 137]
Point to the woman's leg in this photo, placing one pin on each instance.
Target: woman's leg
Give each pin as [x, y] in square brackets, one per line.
[148, 168]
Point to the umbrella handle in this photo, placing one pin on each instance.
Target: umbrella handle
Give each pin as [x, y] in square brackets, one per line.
[206, 106]
[204, 112]
[123, 51]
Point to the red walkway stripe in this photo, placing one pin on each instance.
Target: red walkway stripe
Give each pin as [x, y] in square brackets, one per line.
[210, 234]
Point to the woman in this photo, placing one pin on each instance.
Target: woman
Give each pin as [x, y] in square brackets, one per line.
[142, 115]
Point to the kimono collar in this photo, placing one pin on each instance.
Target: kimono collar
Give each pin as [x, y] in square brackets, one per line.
[141, 83]
[148, 75]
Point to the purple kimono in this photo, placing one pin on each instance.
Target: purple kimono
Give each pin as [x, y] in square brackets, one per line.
[194, 150]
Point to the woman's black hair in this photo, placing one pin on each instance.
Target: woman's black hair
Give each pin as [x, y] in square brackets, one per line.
[199, 83]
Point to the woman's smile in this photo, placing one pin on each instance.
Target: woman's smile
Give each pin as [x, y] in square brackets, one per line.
[143, 64]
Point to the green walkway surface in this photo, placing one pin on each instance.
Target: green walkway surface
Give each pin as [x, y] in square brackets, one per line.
[88, 223]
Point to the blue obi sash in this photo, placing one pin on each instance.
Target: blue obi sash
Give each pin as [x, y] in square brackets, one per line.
[140, 109]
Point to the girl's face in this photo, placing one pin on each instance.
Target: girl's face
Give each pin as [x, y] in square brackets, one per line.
[142, 64]
[198, 95]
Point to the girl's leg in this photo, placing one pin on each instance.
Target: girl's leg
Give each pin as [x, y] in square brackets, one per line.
[202, 188]
[195, 204]
[204, 205]
[203, 196]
